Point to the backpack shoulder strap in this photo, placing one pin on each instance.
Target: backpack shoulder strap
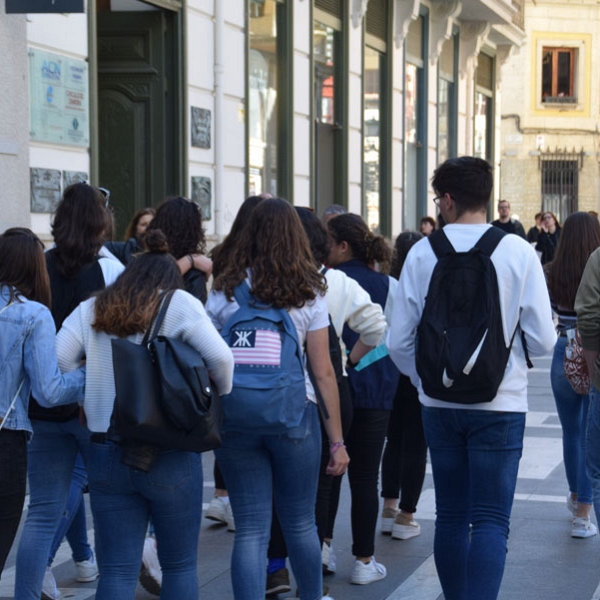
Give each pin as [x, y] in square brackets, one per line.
[242, 293]
[489, 240]
[440, 243]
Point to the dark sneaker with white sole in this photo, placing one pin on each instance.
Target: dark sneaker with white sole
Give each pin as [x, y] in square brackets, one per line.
[278, 583]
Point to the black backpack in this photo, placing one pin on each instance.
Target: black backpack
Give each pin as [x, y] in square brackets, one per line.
[461, 354]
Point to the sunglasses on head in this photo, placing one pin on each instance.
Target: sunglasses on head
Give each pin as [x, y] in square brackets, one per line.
[105, 192]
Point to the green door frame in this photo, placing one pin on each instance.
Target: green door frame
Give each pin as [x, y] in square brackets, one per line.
[181, 102]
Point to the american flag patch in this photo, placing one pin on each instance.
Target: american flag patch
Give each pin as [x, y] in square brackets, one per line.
[259, 347]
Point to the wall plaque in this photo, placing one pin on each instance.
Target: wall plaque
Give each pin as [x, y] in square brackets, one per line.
[200, 127]
[45, 190]
[202, 195]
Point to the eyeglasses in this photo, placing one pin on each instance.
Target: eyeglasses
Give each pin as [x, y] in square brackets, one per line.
[437, 199]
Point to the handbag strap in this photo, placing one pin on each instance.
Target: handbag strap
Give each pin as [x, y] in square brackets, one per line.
[154, 327]
[12, 404]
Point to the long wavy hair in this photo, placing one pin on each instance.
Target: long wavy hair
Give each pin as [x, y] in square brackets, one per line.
[579, 237]
[79, 227]
[364, 244]
[404, 242]
[131, 231]
[180, 220]
[23, 265]
[275, 249]
[221, 253]
[128, 305]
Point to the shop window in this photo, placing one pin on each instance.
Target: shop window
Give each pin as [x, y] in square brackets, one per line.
[267, 170]
[484, 108]
[447, 100]
[375, 118]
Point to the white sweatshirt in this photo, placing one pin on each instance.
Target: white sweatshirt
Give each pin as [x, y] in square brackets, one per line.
[523, 300]
[186, 319]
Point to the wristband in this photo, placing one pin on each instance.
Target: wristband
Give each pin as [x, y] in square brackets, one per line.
[333, 447]
[191, 261]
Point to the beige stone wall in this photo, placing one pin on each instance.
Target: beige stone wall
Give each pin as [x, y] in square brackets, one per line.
[526, 129]
[520, 185]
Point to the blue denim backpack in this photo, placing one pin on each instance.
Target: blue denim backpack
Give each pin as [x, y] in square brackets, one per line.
[269, 389]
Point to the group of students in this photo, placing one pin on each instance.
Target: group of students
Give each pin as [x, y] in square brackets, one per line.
[80, 289]
[331, 278]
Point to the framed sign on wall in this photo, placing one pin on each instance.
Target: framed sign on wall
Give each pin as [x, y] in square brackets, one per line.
[59, 99]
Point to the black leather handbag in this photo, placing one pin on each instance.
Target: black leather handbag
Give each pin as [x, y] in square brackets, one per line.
[164, 395]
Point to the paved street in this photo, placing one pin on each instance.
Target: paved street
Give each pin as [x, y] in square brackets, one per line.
[544, 562]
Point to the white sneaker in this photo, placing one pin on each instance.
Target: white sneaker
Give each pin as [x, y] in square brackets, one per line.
[582, 527]
[217, 510]
[328, 558]
[49, 589]
[364, 573]
[229, 517]
[387, 519]
[151, 573]
[87, 570]
[405, 528]
[571, 504]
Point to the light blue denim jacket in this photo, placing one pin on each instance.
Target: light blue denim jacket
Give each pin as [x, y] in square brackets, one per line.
[27, 353]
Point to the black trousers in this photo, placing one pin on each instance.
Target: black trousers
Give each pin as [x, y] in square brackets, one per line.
[13, 477]
[405, 455]
[365, 446]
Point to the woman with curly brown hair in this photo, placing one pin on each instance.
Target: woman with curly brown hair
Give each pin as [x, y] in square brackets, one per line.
[180, 220]
[358, 252]
[273, 258]
[123, 498]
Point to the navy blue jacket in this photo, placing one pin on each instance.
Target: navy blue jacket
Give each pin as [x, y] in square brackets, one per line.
[373, 383]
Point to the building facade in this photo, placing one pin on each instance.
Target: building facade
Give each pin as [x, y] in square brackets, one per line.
[550, 112]
[353, 102]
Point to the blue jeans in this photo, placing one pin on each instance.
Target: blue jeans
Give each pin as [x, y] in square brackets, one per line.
[593, 447]
[257, 470]
[74, 523]
[572, 411]
[475, 459]
[52, 454]
[123, 501]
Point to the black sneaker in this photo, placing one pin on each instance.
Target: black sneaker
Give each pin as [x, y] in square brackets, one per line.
[278, 583]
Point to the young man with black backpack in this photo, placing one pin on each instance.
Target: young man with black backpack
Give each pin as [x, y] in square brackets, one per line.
[471, 306]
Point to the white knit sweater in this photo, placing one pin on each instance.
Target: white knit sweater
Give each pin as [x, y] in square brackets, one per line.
[186, 319]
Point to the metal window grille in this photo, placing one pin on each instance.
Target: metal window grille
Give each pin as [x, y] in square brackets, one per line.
[560, 181]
